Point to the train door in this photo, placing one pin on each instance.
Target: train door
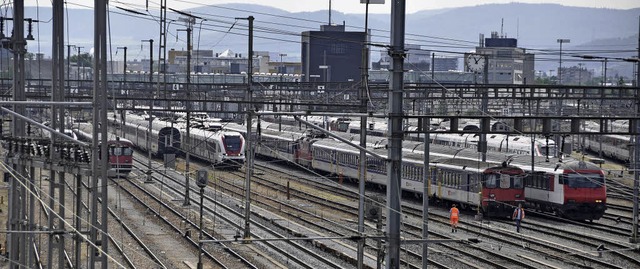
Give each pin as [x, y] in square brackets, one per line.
[465, 186]
[439, 179]
[433, 174]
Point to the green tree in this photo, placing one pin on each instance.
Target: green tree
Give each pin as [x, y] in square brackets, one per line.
[84, 59]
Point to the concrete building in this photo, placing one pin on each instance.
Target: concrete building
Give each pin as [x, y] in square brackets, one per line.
[576, 75]
[507, 64]
[417, 59]
[332, 54]
[441, 63]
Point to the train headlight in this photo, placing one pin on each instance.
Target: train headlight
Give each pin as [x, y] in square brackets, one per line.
[598, 201]
[517, 195]
[572, 201]
[492, 195]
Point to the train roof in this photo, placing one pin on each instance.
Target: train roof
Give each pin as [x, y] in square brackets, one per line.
[466, 163]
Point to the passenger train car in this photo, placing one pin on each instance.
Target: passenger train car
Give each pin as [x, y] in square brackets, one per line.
[493, 188]
[617, 147]
[120, 151]
[516, 144]
[573, 189]
[163, 138]
[223, 149]
[567, 187]
[580, 201]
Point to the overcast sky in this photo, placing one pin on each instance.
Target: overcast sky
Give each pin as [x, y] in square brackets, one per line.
[347, 6]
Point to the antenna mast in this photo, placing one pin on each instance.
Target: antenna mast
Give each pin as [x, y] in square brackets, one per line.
[329, 12]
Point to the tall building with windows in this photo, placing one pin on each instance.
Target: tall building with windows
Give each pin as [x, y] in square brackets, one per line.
[507, 64]
[332, 54]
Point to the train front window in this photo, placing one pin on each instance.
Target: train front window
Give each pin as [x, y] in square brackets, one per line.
[232, 143]
[491, 181]
[505, 181]
[584, 180]
[127, 151]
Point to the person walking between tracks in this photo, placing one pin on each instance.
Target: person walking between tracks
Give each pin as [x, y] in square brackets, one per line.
[453, 215]
[518, 216]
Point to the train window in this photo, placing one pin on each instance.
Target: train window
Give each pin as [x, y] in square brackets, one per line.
[127, 151]
[517, 182]
[491, 181]
[505, 181]
[528, 180]
[584, 180]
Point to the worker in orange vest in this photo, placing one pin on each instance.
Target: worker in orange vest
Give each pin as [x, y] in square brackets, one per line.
[453, 215]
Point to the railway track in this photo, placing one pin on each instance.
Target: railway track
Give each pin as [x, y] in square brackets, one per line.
[413, 254]
[349, 194]
[629, 258]
[233, 217]
[182, 219]
[120, 246]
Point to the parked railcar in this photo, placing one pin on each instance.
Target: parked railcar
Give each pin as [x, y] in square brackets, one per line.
[544, 190]
[572, 189]
[120, 157]
[120, 151]
[613, 146]
[579, 201]
[511, 144]
[223, 149]
[163, 138]
[493, 188]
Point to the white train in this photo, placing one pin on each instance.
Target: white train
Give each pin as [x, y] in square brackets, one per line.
[223, 149]
[618, 147]
[513, 144]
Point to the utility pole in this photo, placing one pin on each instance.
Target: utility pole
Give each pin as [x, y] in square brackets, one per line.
[249, 139]
[123, 114]
[187, 198]
[57, 122]
[150, 60]
[189, 21]
[78, 64]
[394, 164]
[69, 65]
[560, 68]
[560, 90]
[363, 136]
[636, 160]
[484, 124]
[17, 242]
[99, 162]
[150, 169]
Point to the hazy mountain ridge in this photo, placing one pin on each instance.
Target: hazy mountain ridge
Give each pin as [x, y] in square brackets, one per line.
[536, 25]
